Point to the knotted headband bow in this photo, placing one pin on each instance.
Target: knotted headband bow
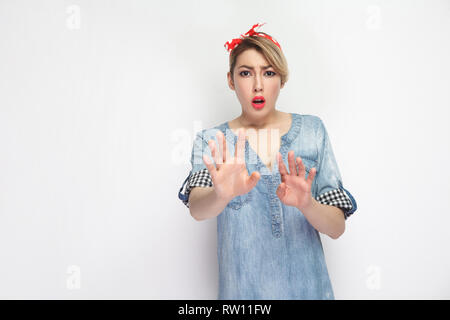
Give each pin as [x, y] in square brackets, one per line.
[231, 45]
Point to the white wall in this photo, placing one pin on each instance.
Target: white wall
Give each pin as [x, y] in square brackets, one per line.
[99, 102]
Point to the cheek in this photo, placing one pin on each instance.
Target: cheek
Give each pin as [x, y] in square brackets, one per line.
[274, 89]
[243, 88]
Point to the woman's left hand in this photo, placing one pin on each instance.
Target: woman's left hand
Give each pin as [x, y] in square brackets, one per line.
[294, 190]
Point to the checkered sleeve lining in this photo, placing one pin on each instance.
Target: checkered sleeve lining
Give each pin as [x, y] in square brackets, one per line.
[200, 178]
[337, 198]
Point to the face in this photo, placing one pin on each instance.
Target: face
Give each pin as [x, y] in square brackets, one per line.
[259, 81]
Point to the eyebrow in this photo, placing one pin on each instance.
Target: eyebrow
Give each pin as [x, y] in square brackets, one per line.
[244, 66]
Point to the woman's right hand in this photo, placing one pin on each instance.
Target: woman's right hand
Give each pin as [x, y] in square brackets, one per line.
[231, 178]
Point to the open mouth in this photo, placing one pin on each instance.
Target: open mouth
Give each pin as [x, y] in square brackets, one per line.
[258, 102]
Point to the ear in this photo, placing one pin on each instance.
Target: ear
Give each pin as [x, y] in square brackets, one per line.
[230, 81]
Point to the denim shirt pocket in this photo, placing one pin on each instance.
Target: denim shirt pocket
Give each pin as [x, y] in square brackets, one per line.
[240, 201]
[309, 163]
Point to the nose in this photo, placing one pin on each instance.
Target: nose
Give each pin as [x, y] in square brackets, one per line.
[258, 84]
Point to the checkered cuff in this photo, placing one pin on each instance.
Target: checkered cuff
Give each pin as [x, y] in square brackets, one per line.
[200, 178]
[337, 198]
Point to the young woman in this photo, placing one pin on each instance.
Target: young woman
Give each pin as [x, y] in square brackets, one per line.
[271, 193]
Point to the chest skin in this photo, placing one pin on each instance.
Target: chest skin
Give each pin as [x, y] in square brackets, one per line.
[266, 142]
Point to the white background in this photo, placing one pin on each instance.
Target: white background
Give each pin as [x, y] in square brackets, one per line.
[100, 100]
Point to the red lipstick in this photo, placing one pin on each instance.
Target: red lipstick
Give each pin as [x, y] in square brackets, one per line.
[258, 102]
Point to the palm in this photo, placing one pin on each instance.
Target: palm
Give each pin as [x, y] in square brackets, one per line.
[294, 190]
[230, 178]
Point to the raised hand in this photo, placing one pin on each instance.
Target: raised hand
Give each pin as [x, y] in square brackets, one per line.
[294, 190]
[230, 178]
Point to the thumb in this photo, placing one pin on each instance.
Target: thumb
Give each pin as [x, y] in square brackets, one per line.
[253, 179]
[211, 168]
[281, 190]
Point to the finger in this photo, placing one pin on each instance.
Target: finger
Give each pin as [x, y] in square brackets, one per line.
[301, 167]
[281, 166]
[212, 146]
[210, 166]
[312, 174]
[239, 152]
[226, 154]
[221, 154]
[292, 168]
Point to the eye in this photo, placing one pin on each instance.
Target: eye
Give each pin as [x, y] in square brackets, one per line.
[271, 73]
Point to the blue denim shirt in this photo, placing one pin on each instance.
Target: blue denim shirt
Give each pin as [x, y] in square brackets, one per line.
[267, 250]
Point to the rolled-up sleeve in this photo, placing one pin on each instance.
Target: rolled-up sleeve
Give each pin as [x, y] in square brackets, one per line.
[327, 184]
[199, 175]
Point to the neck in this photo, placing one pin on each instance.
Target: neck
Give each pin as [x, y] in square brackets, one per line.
[259, 123]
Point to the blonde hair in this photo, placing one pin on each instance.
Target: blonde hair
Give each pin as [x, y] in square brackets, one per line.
[268, 49]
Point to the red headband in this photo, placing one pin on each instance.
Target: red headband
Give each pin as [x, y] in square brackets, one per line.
[250, 32]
